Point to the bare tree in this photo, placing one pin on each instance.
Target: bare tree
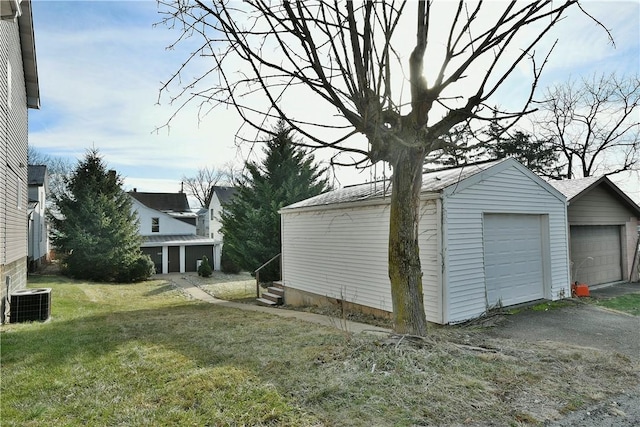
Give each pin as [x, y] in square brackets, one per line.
[594, 123]
[58, 170]
[333, 70]
[202, 185]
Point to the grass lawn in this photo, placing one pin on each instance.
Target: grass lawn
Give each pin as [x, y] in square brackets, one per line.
[143, 354]
[626, 303]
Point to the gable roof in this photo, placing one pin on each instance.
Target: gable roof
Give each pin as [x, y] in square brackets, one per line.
[433, 182]
[164, 202]
[37, 174]
[225, 194]
[574, 189]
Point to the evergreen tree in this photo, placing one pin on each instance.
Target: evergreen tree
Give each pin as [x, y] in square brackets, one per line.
[96, 231]
[250, 222]
[538, 155]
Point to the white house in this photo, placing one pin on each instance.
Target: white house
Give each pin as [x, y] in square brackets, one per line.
[169, 229]
[490, 234]
[38, 241]
[209, 218]
[603, 230]
[19, 91]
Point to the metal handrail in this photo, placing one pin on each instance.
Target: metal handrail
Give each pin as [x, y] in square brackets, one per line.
[257, 273]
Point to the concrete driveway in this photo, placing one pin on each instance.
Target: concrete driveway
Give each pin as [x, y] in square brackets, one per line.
[580, 324]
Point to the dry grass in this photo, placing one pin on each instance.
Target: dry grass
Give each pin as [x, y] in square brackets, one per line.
[144, 355]
[230, 287]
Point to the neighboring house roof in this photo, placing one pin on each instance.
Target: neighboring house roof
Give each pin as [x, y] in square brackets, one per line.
[37, 175]
[28, 48]
[432, 182]
[176, 240]
[574, 189]
[225, 194]
[164, 202]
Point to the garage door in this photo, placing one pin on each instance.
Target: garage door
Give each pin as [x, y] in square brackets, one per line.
[156, 256]
[602, 244]
[513, 258]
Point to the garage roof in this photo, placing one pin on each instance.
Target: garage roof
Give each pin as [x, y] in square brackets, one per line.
[177, 240]
[432, 182]
[574, 189]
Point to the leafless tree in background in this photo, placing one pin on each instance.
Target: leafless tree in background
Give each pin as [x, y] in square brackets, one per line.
[335, 70]
[595, 123]
[58, 169]
[202, 184]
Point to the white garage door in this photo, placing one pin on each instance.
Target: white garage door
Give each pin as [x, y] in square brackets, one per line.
[602, 244]
[513, 258]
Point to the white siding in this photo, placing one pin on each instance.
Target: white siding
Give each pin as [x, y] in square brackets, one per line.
[38, 241]
[13, 144]
[343, 253]
[169, 226]
[214, 220]
[13, 161]
[506, 188]
[339, 253]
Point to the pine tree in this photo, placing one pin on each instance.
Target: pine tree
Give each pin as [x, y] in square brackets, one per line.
[250, 222]
[536, 154]
[96, 231]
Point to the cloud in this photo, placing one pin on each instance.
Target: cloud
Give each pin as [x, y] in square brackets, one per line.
[101, 65]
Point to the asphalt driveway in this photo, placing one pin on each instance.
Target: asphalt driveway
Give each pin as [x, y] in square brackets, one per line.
[586, 325]
[580, 324]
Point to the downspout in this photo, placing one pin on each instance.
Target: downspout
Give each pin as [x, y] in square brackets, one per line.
[441, 212]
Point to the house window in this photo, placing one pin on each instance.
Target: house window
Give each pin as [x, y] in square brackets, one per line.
[211, 215]
[212, 235]
[155, 225]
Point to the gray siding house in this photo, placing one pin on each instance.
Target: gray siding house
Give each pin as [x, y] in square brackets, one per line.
[603, 231]
[491, 234]
[18, 92]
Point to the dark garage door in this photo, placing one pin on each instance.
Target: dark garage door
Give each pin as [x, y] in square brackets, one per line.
[174, 259]
[156, 256]
[194, 253]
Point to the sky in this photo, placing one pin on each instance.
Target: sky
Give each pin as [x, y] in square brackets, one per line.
[101, 65]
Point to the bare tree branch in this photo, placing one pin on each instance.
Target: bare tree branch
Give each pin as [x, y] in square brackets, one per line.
[595, 123]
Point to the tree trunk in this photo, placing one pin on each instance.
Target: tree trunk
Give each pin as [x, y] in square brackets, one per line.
[405, 271]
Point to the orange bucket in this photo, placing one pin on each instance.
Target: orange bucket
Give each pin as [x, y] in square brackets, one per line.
[580, 290]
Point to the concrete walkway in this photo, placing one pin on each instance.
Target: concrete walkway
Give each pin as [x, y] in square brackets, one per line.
[181, 281]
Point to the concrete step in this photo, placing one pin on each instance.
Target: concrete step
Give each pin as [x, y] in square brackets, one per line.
[275, 291]
[272, 297]
[266, 302]
[278, 284]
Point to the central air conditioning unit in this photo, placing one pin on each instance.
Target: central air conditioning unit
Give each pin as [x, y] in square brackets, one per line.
[28, 305]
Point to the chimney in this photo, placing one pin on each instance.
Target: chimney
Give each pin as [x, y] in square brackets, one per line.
[135, 190]
[182, 187]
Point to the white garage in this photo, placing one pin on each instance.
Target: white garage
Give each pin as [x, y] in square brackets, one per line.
[603, 236]
[491, 234]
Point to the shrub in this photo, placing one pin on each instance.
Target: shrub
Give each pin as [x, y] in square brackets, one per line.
[227, 265]
[205, 269]
[140, 269]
